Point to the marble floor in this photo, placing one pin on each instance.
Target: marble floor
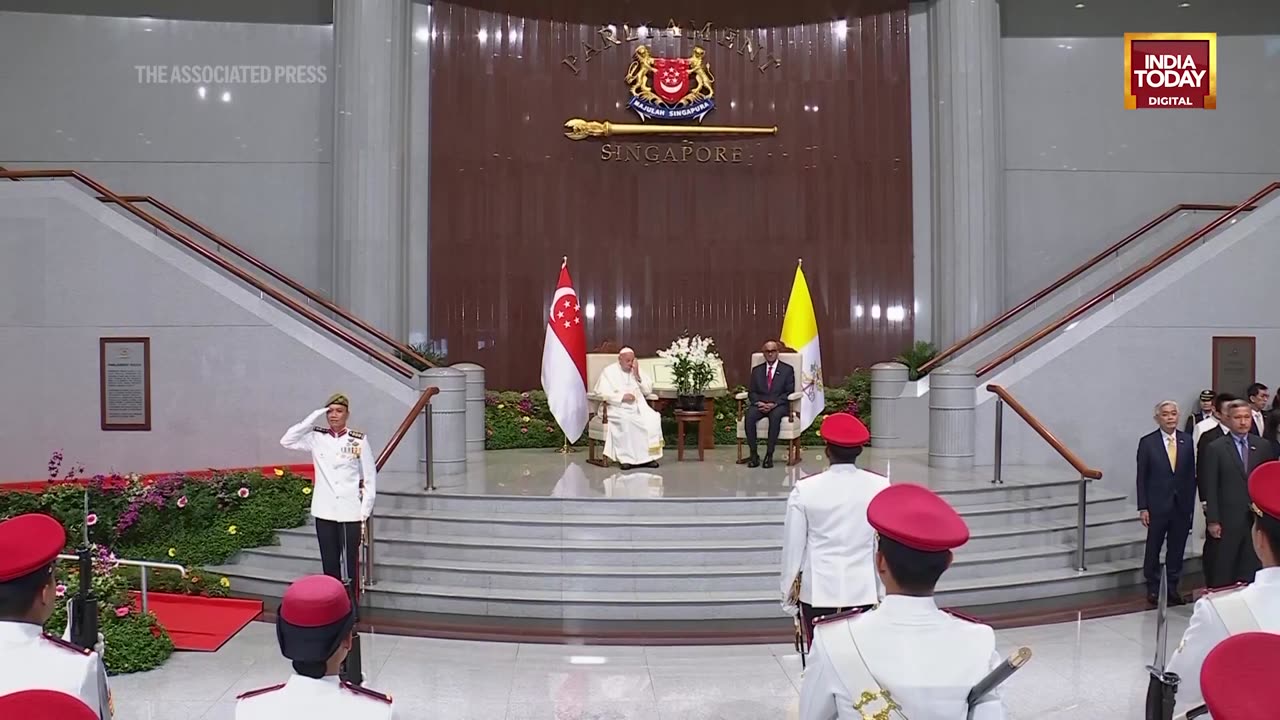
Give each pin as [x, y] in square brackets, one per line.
[549, 473]
[1090, 668]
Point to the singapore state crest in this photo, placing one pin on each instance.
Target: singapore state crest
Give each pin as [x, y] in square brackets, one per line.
[670, 88]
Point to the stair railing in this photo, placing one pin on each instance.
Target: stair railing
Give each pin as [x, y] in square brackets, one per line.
[143, 566]
[422, 407]
[1004, 397]
[1126, 281]
[389, 361]
[1076, 272]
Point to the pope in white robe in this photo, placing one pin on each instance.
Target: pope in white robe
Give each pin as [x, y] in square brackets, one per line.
[634, 432]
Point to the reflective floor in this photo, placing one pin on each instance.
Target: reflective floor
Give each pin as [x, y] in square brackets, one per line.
[549, 473]
[1086, 669]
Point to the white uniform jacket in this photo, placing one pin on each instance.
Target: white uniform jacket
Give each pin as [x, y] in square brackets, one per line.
[340, 461]
[828, 538]
[1207, 630]
[314, 699]
[31, 660]
[927, 659]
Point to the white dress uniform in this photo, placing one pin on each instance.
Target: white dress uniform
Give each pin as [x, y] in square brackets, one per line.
[340, 460]
[32, 660]
[925, 658]
[828, 539]
[1260, 600]
[314, 699]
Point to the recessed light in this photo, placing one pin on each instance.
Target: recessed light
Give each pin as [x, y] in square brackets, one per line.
[1079, 6]
[1184, 5]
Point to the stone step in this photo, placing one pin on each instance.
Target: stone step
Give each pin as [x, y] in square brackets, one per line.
[1046, 583]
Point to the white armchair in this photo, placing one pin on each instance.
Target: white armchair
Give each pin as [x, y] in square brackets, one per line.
[790, 431]
[598, 420]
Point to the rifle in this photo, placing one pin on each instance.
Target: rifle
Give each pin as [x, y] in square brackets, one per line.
[352, 670]
[1163, 685]
[83, 616]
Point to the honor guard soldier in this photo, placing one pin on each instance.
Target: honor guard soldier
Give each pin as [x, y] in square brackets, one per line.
[1238, 677]
[31, 659]
[1243, 608]
[314, 630]
[827, 544]
[346, 482]
[44, 705]
[905, 657]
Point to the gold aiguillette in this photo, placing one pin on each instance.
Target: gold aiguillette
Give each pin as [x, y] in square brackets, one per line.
[577, 129]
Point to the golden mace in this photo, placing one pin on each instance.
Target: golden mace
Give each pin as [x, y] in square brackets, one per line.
[577, 129]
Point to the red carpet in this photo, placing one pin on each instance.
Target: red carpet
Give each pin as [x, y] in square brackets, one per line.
[200, 623]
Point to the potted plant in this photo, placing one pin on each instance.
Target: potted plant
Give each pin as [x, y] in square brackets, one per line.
[693, 365]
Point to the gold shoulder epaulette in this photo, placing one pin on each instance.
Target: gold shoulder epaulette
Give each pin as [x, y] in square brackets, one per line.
[839, 616]
[355, 434]
[259, 691]
[67, 645]
[366, 692]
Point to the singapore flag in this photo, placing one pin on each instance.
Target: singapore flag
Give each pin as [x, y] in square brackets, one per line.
[564, 359]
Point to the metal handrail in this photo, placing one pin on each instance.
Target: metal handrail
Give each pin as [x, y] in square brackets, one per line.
[423, 405]
[392, 363]
[1004, 397]
[298, 287]
[1127, 280]
[145, 565]
[1079, 270]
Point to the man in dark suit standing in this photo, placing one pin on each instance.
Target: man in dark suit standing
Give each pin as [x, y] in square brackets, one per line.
[1225, 488]
[1204, 413]
[771, 382]
[1166, 498]
[1258, 396]
[1205, 432]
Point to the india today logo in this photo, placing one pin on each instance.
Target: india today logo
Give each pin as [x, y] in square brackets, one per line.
[1171, 70]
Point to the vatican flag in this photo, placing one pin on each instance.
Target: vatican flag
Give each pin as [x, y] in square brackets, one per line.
[800, 332]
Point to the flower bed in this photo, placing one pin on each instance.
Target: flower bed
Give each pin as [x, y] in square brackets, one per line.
[523, 420]
[185, 520]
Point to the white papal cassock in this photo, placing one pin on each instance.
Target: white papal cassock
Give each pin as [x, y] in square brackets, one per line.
[634, 433]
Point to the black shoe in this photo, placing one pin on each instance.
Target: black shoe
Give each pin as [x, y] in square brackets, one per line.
[652, 464]
[1152, 600]
[625, 466]
[754, 462]
[768, 462]
[1176, 599]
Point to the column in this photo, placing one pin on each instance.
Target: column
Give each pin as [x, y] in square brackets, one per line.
[952, 417]
[968, 166]
[371, 74]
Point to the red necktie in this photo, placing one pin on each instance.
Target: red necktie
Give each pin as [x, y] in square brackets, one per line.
[769, 382]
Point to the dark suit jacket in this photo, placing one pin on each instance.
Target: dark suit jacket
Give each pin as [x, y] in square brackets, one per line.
[1206, 437]
[1162, 489]
[784, 383]
[1224, 485]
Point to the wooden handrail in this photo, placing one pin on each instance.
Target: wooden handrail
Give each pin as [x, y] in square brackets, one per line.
[1127, 280]
[405, 424]
[297, 286]
[1071, 458]
[1079, 270]
[391, 362]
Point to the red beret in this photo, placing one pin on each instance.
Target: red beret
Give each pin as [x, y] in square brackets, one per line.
[1264, 489]
[28, 543]
[315, 601]
[1237, 678]
[917, 517]
[45, 705]
[844, 430]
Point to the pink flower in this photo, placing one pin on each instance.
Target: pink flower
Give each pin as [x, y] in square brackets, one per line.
[524, 430]
[91, 519]
[60, 590]
[243, 492]
[122, 611]
[182, 501]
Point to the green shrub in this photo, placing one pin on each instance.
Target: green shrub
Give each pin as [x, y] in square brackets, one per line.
[916, 356]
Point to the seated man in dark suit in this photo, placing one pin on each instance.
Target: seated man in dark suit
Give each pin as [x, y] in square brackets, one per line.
[771, 382]
[1166, 498]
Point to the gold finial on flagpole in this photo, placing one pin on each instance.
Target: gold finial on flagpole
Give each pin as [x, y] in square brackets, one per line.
[799, 262]
[564, 262]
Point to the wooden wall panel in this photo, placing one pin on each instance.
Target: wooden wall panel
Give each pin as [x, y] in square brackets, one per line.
[706, 247]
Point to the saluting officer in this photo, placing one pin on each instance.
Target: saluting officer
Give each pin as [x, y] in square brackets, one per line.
[31, 659]
[314, 630]
[1243, 608]
[827, 541]
[45, 705]
[905, 654]
[346, 482]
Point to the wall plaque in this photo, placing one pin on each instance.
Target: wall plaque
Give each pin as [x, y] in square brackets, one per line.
[125, 382]
[1234, 363]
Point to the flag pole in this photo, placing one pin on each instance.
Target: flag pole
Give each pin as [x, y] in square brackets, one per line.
[565, 448]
